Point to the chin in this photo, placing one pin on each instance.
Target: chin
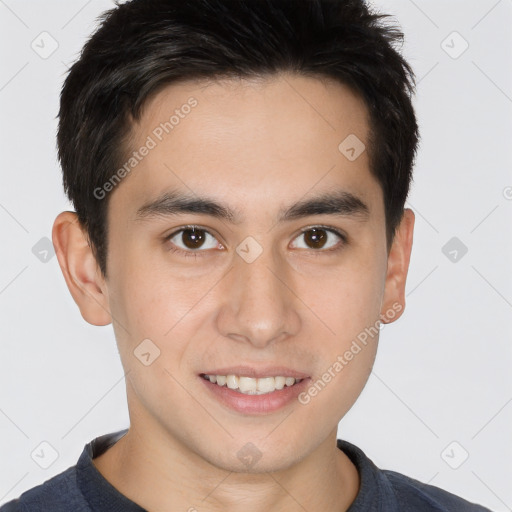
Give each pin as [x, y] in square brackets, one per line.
[246, 457]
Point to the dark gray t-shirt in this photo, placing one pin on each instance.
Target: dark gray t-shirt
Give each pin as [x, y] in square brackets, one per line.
[82, 488]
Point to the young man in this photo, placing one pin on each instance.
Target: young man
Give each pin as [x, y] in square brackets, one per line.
[239, 171]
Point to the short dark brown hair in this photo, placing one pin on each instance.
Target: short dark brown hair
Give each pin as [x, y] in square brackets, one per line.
[143, 45]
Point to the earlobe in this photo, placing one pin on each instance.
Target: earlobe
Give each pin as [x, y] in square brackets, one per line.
[393, 303]
[80, 269]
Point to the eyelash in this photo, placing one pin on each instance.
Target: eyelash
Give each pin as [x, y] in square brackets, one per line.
[197, 253]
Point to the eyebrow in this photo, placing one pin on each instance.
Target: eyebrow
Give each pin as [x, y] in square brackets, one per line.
[339, 203]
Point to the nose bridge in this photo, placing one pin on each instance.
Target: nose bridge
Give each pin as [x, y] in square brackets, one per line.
[260, 306]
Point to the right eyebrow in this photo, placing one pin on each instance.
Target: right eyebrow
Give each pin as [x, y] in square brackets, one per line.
[174, 203]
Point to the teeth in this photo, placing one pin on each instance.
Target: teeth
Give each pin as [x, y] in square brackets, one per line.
[290, 381]
[250, 386]
[232, 381]
[266, 384]
[247, 385]
[280, 382]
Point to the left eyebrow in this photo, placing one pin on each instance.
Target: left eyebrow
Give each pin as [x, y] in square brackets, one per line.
[173, 203]
[340, 203]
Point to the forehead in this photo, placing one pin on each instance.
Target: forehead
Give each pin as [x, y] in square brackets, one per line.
[257, 107]
[246, 138]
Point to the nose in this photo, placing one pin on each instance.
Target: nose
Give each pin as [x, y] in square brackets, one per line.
[259, 305]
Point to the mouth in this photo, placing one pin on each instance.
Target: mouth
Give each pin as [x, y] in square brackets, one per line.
[254, 392]
[250, 385]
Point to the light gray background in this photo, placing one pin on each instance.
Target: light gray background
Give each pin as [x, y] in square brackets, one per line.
[443, 370]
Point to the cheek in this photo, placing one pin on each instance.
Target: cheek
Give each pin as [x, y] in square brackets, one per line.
[142, 303]
[347, 356]
[348, 305]
[350, 346]
[345, 301]
[150, 302]
[152, 338]
[144, 293]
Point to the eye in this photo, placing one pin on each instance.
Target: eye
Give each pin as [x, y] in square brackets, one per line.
[194, 241]
[321, 238]
[191, 239]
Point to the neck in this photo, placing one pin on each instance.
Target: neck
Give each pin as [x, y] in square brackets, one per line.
[162, 475]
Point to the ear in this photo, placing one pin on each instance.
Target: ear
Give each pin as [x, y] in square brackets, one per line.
[393, 303]
[80, 269]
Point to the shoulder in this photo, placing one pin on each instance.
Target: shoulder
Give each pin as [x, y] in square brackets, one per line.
[74, 488]
[386, 490]
[58, 494]
[412, 494]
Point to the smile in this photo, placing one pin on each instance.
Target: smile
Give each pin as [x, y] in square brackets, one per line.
[250, 385]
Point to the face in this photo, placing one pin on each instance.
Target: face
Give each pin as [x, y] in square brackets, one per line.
[244, 243]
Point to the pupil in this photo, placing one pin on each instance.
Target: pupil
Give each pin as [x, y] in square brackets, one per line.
[316, 237]
[194, 239]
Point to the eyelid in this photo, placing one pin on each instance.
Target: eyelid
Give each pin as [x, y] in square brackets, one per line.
[332, 229]
[189, 226]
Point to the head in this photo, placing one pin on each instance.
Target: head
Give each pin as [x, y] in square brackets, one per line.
[253, 121]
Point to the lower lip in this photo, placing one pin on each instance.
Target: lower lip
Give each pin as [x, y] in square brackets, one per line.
[256, 404]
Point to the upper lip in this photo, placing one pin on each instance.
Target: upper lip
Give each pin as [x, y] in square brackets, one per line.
[257, 373]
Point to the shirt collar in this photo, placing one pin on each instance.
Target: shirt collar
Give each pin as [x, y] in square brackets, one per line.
[375, 491]
[100, 494]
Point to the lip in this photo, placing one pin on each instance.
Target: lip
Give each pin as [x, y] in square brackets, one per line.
[257, 373]
[256, 404]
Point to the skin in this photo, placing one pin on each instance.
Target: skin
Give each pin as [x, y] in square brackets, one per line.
[256, 146]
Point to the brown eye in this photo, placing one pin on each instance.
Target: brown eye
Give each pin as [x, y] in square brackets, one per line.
[319, 238]
[315, 238]
[192, 239]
